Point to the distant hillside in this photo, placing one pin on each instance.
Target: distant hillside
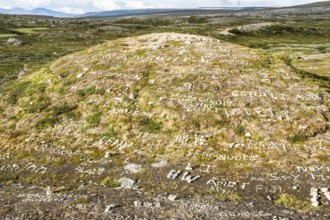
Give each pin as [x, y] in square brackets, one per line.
[314, 7]
[316, 4]
[36, 11]
[117, 13]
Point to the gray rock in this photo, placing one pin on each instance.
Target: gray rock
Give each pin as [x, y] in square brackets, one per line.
[14, 42]
[134, 168]
[21, 74]
[126, 183]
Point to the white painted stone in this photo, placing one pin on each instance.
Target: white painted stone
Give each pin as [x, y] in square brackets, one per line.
[248, 134]
[119, 99]
[109, 207]
[132, 96]
[80, 75]
[107, 154]
[315, 204]
[188, 167]
[172, 197]
[173, 174]
[324, 190]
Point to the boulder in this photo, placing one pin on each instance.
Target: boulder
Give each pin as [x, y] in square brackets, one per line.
[14, 42]
[133, 168]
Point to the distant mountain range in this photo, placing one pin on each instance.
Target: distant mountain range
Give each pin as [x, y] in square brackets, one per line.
[118, 13]
[36, 11]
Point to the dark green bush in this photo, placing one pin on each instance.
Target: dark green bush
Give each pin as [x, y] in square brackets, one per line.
[197, 20]
[299, 137]
[47, 121]
[17, 92]
[94, 119]
[39, 105]
[54, 116]
[90, 91]
[149, 125]
[64, 109]
[239, 130]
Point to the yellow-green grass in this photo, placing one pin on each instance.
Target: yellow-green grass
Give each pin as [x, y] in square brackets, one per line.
[29, 30]
[7, 35]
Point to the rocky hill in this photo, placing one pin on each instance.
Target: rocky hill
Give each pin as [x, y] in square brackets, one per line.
[180, 126]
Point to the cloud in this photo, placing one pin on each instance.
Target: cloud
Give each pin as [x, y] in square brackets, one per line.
[104, 4]
[79, 6]
[71, 10]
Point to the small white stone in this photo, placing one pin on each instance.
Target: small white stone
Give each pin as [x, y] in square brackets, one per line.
[314, 199]
[188, 167]
[49, 192]
[119, 99]
[172, 197]
[109, 207]
[315, 204]
[80, 75]
[132, 96]
[248, 134]
[325, 190]
[232, 145]
[107, 154]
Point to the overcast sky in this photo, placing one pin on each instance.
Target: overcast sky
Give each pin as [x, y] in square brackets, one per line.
[80, 6]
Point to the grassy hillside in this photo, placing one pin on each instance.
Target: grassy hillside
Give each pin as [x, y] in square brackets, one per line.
[316, 4]
[183, 99]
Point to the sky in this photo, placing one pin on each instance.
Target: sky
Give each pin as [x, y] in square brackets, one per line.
[82, 6]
